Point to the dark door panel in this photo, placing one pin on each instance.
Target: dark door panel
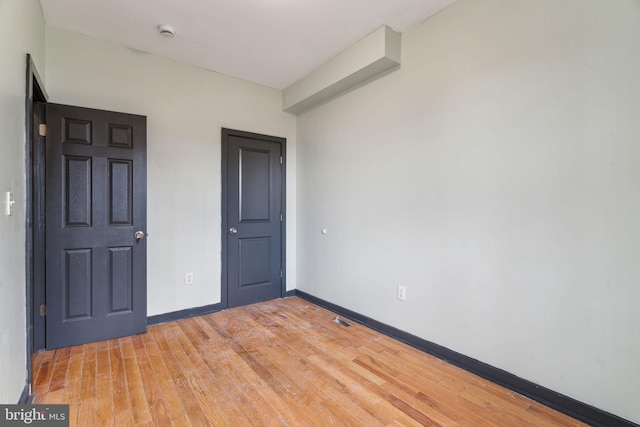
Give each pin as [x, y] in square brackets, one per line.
[96, 201]
[253, 181]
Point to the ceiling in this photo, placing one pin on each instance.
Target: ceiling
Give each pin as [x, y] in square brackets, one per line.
[270, 42]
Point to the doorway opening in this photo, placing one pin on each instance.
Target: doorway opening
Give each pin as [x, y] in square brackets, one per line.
[35, 103]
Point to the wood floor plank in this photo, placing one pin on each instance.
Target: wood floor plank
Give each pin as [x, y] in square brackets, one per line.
[72, 384]
[310, 360]
[170, 396]
[121, 401]
[104, 415]
[179, 369]
[283, 362]
[87, 391]
[222, 409]
[288, 388]
[42, 366]
[155, 402]
[55, 397]
[233, 373]
[334, 393]
[426, 390]
[139, 407]
[59, 373]
[360, 390]
[103, 365]
[42, 379]
[552, 418]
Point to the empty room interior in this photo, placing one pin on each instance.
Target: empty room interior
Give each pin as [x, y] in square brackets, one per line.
[279, 212]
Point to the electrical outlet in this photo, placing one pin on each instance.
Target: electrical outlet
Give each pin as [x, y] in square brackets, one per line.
[188, 279]
[402, 293]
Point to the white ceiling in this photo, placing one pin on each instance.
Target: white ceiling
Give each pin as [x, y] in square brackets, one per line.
[270, 42]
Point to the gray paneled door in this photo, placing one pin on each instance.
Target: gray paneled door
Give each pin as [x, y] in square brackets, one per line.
[253, 217]
[96, 223]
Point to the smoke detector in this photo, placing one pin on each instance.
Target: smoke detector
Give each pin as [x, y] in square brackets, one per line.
[166, 31]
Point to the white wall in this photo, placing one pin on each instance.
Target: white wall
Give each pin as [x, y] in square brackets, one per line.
[186, 107]
[496, 176]
[21, 32]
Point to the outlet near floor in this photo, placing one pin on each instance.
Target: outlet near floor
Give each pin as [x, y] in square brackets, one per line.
[402, 293]
[188, 279]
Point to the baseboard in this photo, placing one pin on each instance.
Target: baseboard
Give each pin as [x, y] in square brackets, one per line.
[567, 405]
[26, 398]
[196, 311]
[183, 314]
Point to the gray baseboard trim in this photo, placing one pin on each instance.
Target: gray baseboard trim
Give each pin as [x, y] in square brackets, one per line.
[26, 398]
[561, 403]
[183, 314]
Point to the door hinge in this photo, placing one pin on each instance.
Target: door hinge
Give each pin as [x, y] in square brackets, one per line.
[43, 310]
[281, 274]
[42, 130]
[281, 160]
[281, 217]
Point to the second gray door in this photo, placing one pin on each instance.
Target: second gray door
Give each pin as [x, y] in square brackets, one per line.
[253, 217]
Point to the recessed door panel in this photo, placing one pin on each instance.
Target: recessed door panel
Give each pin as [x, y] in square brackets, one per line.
[76, 131]
[255, 261]
[120, 136]
[120, 279]
[77, 284]
[255, 184]
[78, 187]
[120, 192]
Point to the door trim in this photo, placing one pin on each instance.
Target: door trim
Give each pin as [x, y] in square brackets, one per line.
[35, 97]
[224, 300]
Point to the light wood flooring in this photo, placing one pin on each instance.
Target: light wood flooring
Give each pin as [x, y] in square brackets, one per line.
[282, 362]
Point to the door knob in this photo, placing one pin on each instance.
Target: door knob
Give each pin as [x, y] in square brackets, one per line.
[233, 230]
[139, 235]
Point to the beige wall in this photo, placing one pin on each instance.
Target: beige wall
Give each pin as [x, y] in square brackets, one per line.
[495, 175]
[186, 107]
[21, 32]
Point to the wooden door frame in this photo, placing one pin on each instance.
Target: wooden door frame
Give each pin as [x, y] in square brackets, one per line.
[224, 299]
[35, 98]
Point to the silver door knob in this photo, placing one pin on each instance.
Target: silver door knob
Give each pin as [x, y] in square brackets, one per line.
[233, 230]
[139, 235]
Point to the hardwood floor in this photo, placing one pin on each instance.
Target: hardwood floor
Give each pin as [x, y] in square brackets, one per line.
[282, 362]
